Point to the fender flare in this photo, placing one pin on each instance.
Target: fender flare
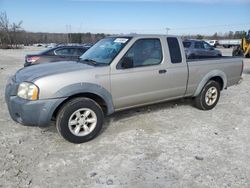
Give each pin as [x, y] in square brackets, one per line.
[207, 77]
[81, 88]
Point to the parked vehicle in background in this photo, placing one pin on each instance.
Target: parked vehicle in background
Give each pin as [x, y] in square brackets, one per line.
[199, 49]
[51, 45]
[117, 73]
[213, 43]
[39, 45]
[229, 43]
[60, 53]
[88, 45]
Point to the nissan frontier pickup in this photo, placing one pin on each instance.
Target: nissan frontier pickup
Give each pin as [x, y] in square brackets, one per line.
[117, 73]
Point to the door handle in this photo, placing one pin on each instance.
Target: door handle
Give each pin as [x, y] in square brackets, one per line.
[163, 71]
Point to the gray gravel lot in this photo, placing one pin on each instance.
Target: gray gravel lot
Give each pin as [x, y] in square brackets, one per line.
[167, 145]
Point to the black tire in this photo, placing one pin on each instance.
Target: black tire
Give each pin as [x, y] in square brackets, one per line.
[200, 100]
[237, 51]
[247, 56]
[67, 111]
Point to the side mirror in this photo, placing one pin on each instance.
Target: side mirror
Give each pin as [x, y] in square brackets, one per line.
[211, 48]
[127, 63]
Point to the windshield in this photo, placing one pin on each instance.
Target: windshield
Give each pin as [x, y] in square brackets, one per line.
[104, 51]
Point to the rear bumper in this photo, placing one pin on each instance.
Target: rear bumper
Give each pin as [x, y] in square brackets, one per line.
[31, 113]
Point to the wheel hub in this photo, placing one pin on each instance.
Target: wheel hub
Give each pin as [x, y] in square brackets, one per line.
[211, 96]
[82, 122]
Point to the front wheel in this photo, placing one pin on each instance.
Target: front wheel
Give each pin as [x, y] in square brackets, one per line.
[79, 120]
[209, 96]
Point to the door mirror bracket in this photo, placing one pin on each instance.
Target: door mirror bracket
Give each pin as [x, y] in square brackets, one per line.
[127, 63]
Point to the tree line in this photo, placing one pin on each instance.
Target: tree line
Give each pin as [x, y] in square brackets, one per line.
[219, 36]
[12, 35]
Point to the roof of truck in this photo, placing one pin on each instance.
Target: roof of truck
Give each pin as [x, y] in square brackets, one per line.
[194, 40]
[142, 35]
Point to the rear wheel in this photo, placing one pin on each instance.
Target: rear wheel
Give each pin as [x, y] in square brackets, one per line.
[79, 120]
[237, 51]
[209, 96]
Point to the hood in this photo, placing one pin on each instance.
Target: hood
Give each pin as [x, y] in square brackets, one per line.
[36, 71]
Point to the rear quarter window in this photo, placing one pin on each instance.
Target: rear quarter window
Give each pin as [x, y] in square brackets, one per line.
[174, 50]
[82, 51]
[51, 52]
[48, 52]
[67, 51]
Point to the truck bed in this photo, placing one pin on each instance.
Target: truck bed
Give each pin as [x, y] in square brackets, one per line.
[214, 58]
[226, 66]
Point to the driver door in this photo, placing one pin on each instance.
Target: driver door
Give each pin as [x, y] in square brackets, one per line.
[144, 80]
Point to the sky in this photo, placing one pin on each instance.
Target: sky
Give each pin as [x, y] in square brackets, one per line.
[130, 16]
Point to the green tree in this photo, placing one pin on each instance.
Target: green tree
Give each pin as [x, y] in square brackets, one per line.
[200, 37]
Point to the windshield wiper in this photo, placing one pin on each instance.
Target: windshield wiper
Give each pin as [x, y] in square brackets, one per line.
[92, 62]
[89, 61]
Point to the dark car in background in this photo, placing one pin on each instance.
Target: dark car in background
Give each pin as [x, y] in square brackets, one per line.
[199, 49]
[59, 53]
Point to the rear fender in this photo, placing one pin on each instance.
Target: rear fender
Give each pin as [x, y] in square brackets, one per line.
[209, 76]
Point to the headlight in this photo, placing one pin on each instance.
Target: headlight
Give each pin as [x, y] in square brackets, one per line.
[28, 91]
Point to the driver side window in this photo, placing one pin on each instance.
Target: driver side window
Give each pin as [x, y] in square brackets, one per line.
[144, 52]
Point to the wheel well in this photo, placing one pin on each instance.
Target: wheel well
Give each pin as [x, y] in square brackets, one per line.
[219, 80]
[99, 100]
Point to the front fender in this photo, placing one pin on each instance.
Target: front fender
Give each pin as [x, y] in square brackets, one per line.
[207, 77]
[79, 88]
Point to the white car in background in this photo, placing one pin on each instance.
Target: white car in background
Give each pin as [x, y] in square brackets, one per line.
[50, 45]
[213, 43]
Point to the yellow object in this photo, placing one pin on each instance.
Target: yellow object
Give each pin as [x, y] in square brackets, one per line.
[35, 94]
[245, 45]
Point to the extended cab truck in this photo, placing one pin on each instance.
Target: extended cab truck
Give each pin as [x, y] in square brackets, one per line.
[117, 73]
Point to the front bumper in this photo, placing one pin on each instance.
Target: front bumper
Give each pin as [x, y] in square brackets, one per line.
[31, 113]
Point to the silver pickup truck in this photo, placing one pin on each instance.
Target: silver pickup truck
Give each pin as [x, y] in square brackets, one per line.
[117, 73]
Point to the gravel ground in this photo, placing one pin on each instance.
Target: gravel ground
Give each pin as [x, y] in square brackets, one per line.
[167, 145]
